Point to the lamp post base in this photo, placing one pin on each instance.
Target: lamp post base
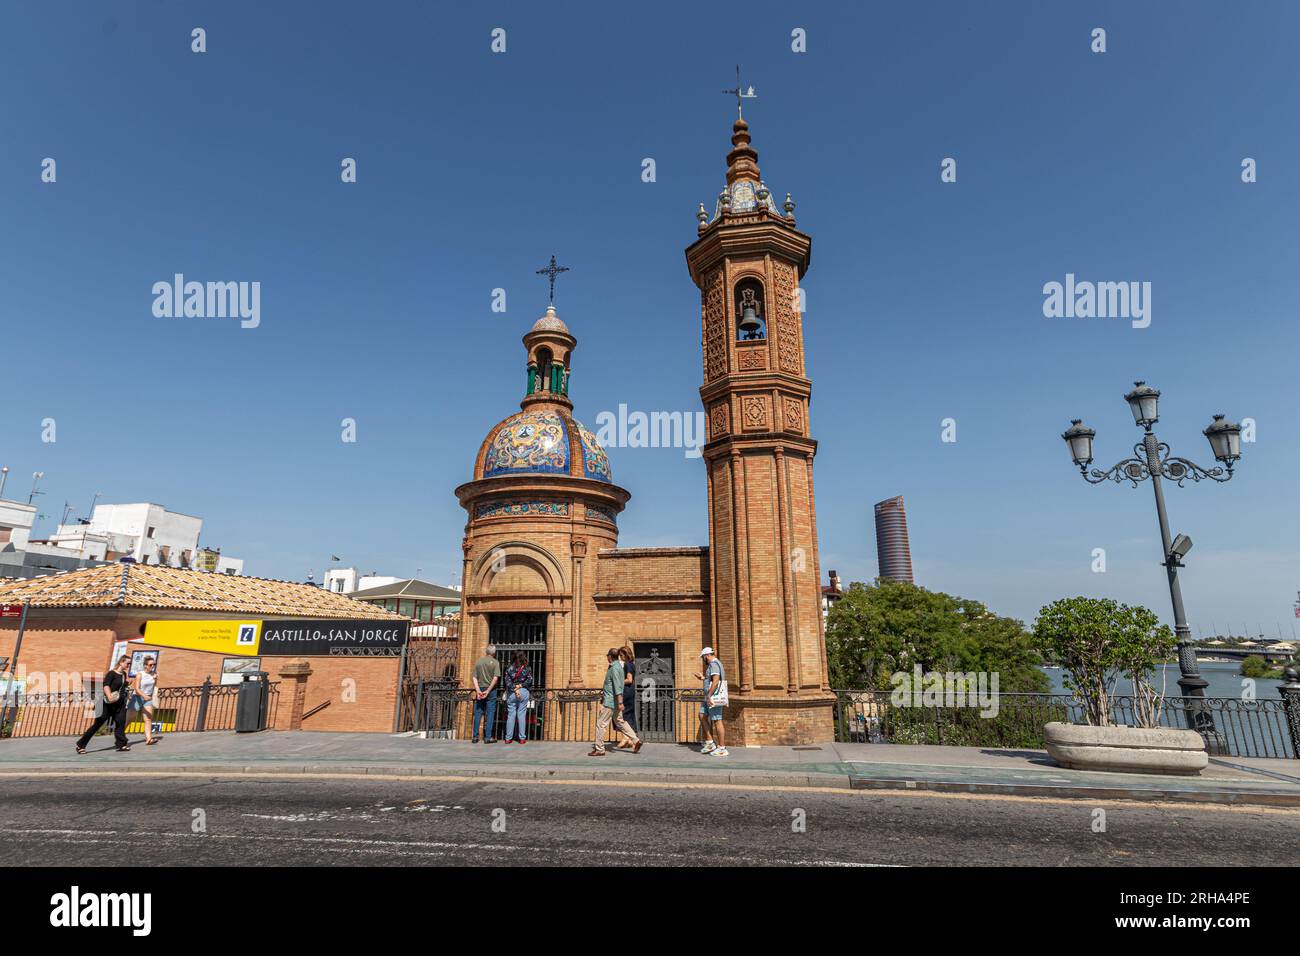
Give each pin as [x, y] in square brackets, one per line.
[1197, 712]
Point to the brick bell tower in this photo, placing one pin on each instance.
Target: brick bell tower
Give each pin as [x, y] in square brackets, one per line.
[764, 568]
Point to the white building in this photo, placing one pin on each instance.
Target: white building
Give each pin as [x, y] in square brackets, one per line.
[20, 556]
[348, 580]
[16, 520]
[148, 533]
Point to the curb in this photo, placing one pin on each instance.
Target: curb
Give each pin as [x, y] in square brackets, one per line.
[740, 778]
[1267, 798]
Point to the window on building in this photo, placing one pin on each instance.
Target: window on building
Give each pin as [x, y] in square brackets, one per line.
[151, 531]
[406, 608]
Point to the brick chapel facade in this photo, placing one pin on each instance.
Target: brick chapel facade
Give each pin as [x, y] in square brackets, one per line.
[543, 572]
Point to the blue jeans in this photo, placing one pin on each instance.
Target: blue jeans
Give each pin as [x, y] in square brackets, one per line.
[516, 709]
[487, 707]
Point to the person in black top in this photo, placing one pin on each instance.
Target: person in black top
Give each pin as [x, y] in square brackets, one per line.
[629, 693]
[114, 707]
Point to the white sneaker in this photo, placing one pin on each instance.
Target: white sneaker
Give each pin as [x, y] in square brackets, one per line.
[709, 747]
[719, 752]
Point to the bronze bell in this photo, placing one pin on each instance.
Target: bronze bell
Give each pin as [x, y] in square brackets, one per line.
[749, 324]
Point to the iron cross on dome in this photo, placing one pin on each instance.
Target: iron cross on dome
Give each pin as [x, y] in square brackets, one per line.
[552, 271]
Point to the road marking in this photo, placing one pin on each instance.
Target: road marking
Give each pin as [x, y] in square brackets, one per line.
[863, 793]
[411, 847]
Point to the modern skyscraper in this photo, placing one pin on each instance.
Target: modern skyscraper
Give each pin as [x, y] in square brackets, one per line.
[893, 552]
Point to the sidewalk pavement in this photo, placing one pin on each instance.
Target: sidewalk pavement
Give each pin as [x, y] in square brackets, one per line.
[1235, 780]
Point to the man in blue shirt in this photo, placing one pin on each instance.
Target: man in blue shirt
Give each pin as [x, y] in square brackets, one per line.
[711, 707]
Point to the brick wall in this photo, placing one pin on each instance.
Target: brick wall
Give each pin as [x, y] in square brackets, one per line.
[58, 643]
[655, 595]
[362, 692]
[652, 570]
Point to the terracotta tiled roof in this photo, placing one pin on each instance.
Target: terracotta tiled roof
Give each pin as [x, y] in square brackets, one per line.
[155, 586]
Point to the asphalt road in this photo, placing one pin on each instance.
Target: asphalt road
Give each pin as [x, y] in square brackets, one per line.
[241, 820]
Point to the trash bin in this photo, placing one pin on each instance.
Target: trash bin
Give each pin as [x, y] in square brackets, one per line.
[250, 704]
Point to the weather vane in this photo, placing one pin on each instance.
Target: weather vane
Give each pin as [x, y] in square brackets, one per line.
[552, 271]
[740, 93]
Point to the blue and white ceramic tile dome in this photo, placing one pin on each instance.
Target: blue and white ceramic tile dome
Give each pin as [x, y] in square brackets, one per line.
[595, 463]
[529, 442]
[537, 442]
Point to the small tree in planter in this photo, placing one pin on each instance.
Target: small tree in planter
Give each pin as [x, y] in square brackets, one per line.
[1095, 640]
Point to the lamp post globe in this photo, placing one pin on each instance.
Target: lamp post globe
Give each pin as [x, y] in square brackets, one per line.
[1144, 403]
[1079, 439]
[1225, 440]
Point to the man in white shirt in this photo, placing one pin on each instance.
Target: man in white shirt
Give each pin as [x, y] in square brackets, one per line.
[710, 712]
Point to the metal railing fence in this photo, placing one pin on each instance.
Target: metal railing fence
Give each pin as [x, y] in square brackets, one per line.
[1230, 726]
[200, 707]
[666, 715]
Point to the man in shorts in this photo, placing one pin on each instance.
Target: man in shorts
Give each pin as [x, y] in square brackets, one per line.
[710, 713]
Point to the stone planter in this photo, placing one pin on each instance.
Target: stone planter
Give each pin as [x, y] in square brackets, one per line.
[1126, 749]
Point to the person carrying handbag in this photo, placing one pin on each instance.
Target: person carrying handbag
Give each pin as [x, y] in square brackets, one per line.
[715, 699]
[112, 706]
[144, 694]
[518, 684]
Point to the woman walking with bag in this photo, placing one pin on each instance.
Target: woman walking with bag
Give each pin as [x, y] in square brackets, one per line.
[144, 697]
[112, 707]
[518, 683]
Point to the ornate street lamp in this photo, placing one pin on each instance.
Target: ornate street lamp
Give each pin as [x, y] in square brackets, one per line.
[1144, 403]
[1151, 459]
[1225, 441]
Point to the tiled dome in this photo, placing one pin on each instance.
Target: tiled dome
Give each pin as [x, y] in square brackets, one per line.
[550, 322]
[540, 442]
[595, 463]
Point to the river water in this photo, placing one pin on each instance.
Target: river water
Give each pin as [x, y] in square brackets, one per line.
[1225, 680]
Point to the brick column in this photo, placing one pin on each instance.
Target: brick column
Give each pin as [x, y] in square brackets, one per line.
[578, 550]
[293, 688]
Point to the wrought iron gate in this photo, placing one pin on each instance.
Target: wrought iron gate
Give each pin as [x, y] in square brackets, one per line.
[513, 634]
[655, 680]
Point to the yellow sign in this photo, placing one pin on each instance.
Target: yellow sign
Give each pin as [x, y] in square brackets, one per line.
[164, 723]
[219, 637]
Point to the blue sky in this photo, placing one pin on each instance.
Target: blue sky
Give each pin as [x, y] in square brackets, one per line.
[924, 298]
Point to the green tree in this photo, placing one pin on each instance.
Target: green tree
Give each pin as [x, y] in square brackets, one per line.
[1095, 640]
[878, 629]
[1256, 667]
